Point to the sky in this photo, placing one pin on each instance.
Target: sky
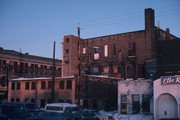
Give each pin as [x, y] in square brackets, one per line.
[32, 26]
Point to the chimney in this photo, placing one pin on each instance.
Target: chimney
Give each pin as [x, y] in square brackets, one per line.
[149, 18]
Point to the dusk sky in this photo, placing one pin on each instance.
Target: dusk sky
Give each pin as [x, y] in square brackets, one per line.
[33, 25]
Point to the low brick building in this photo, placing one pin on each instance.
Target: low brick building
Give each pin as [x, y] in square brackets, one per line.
[96, 92]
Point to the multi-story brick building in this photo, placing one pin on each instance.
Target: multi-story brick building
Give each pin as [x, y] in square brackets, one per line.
[124, 55]
[15, 64]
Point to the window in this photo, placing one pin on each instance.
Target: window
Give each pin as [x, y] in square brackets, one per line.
[32, 68]
[130, 71]
[106, 51]
[61, 84]
[49, 84]
[123, 98]
[26, 100]
[115, 69]
[4, 65]
[33, 100]
[95, 70]
[12, 99]
[18, 86]
[69, 84]
[21, 67]
[17, 100]
[67, 40]
[33, 85]
[26, 67]
[114, 50]
[43, 85]
[106, 69]
[15, 66]
[131, 49]
[135, 102]
[96, 53]
[12, 86]
[67, 51]
[27, 86]
[84, 50]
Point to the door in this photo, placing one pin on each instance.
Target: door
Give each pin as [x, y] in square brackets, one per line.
[166, 107]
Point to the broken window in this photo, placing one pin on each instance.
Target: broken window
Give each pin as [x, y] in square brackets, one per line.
[95, 70]
[130, 71]
[131, 49]
[106, 51]
[96, 53]
[67, 51]
[67, 40]
[114, 50]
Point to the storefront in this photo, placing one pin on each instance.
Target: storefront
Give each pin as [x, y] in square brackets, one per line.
[167, 98]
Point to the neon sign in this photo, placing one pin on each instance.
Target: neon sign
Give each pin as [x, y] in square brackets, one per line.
[170, 80]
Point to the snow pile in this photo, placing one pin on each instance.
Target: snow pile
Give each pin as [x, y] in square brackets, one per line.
[132, 117]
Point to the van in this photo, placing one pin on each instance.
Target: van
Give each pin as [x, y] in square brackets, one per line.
[61, 107]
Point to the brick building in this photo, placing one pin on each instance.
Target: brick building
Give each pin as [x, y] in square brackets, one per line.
[39, 90]
[14, 64]
[124, 55]
[129, 55]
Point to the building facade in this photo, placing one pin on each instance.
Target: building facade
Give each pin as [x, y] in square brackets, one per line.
[135, 96]
[125, 55]
[15, 64]
[39, 90]
[167, 98]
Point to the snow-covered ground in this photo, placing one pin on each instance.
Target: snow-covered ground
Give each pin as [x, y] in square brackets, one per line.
[133, 117]
[118, 116]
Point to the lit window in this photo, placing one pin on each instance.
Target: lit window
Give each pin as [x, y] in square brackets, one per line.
[106, 69]
[106, 51]
[84, 50]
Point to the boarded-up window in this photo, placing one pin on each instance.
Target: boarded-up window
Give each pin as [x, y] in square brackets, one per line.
[106, 51]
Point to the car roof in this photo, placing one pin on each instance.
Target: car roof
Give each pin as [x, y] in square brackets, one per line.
[18, 103]
[62, 104]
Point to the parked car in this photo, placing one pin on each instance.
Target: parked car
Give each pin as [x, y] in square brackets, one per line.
[2, 115]
[60, 107]
[27, 106]
[44, 115]
[14, 112]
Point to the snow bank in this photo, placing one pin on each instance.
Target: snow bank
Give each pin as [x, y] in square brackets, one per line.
[132, 117]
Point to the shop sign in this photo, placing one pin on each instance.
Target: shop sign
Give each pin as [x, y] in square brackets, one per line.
[170, 80]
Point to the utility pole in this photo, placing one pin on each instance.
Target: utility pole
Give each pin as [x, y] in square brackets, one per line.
[53, 74]
[79, 69]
